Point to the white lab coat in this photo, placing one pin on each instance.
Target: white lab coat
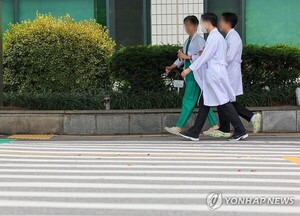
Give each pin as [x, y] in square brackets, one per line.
[197, 44]
[234, 61]
[216, 88]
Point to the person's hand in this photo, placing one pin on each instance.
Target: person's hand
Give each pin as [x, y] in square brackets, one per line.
[200, 52]
[168, 69]
[181, 55]
[185, 72]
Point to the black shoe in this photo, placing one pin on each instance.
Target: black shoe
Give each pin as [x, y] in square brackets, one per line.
[238, 137]
[190, 136]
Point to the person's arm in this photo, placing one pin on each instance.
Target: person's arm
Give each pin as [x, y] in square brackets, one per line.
[207, 54]
[178, 63]
[170, 68]
[200, 48]
[183, 56]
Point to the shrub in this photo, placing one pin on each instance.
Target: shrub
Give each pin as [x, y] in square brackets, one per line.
[270, 75]
[91, 101]
[141, 68]
[56, 54]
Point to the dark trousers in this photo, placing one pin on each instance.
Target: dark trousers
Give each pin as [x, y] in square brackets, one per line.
[240, 109]
[228, 111]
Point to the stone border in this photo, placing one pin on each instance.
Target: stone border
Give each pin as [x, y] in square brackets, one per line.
[275, 119]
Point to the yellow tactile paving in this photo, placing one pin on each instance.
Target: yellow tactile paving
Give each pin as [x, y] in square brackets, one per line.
[31, 136]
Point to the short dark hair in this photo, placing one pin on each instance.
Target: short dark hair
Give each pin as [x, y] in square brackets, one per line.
[231, 18]
[193, 19]
[211, 17]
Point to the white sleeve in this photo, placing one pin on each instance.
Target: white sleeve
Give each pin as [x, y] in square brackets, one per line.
[210, 49]
[178, 63]
[200, 45]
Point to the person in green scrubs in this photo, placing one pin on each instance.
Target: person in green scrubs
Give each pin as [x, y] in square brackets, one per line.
[191, 49]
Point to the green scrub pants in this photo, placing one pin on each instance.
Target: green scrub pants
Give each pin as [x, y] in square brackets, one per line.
[190, 99]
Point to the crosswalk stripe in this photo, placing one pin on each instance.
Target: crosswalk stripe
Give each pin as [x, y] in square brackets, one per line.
[145, 153]
[148, 157]
[128, 195]
[160, 142]
[142, 206]
[143, 186]
[136, 166]
[124, 175]
[137, 161]
[137, 147]
[152, 150]
[150, 178]
[181, 172]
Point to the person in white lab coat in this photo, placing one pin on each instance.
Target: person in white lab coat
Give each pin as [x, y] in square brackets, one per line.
[227, 24]
[186, 57]
[217, 90]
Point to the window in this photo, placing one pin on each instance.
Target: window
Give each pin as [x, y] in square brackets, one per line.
[167, 19]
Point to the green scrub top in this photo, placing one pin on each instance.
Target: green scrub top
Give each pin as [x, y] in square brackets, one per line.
[187, 64]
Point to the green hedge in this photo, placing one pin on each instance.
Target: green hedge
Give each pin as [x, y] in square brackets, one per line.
[142, 68]
[91, 101]
[56, 54]
[271, 75]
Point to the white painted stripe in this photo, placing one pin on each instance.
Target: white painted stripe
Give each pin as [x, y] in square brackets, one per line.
[76, 147]
[148, 150]
[100, 161]
[132, 195]
[181, 172]
[192, 153]
[137, 166]
[144, 186]
[182, 142]
[149, 157]
[142, 206]
[151, 178]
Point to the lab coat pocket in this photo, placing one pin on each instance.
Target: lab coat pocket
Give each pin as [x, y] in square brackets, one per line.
[212, 76]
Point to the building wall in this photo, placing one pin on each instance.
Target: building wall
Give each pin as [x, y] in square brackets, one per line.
[273, 22]
[78, 9]
[167, 19]
[261, 22]
[7, 13]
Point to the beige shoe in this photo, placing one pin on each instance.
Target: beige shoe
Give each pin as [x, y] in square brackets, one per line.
[220, 134]
[173, 130]
[209, 131]
[257, 123]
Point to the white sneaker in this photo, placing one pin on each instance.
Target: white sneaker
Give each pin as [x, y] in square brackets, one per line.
[173, 130]
[220, 134]
[209, 131]
[256, 123]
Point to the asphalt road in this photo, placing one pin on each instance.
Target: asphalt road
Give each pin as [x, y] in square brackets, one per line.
[150, 175]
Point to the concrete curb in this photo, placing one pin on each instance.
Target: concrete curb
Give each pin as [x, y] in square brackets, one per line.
[118, 122]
